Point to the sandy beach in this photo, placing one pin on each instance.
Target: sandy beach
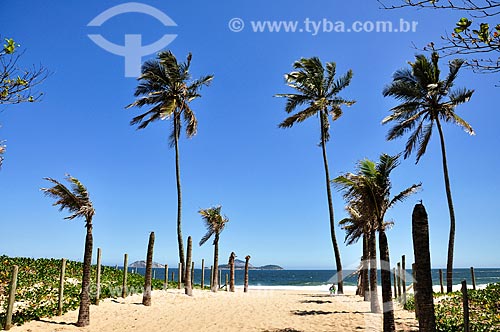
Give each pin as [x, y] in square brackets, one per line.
[257, 310]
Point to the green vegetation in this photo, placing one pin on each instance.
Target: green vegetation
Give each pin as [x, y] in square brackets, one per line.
[484, 306]
[38, 284]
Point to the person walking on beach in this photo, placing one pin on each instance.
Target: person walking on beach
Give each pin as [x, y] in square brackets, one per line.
[332, 290]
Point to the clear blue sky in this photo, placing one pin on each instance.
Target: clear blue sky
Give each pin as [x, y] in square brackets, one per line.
[269, 181]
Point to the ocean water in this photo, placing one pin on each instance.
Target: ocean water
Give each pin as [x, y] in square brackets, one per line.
[318, 279]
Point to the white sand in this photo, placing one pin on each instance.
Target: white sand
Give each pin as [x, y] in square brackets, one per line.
[257, 310]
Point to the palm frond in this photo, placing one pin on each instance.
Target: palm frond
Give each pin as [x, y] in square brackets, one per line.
[405, 194]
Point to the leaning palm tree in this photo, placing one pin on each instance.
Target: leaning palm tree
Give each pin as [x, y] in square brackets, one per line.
[215, 223]
[362, 226]
[370, 188]
[77, 201]
[427, 101]
[317, 91]
[166, 87]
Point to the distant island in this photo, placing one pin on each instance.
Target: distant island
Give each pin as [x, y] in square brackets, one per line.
[142, 264]
[240, 265]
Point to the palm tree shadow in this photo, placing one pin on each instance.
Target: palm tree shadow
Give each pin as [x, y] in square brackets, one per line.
[316, 301]
[54, 322]
[311, 312]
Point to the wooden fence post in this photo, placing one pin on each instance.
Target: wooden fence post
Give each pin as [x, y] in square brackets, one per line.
[473, 277]
[98, 277]
[192, 274]
[403, 277]
[395, 283]
[399, 280]
[202, 273]
[211, 276]
[12, 297]
[179, 276]
[173, 276]
[61, 287]
[227, 288]
[441, 280]
[165, 282]
[465, 298]
[414, 290]
[125, 271]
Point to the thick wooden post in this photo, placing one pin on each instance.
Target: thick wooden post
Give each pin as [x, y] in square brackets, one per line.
[165, 279]
[179, 276]
[245, 287]
[149, 273]
[12, 297]
[220, 279]
[465, 299]
[98, 277]
[403, 278]
[473, 277]
[227, 277]
[441, 280]
[173, 276]
[61, 287]
[125, 270]
[202, 273]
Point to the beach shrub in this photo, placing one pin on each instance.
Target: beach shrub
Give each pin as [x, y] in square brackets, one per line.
[484, 306]
[410, 302]
[38, 286]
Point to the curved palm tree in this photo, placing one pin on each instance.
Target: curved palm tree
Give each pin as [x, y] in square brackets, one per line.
[77, 201]
[427, 101]
[370, 189]
[317, 91]
[215, 223]
[362, 226]
[166, 86]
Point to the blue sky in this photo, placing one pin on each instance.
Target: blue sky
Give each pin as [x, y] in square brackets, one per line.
[269, 181]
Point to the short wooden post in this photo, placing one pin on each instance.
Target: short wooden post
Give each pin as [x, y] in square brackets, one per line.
[227, 277]
[98, 277]
[465, 298]
[414, 290]
[211, 276]
[154, 273]
[173, 276]
[473, 278]
[441, 280]
[399, 280]
[179, 276]
[192, 274]
[165, 282]
[202, 273]
[403, 277]
[12, 297]
[395, 283]
[125, 271]
[220, 279]
[61, 287]
[116, 267]
[188, 286]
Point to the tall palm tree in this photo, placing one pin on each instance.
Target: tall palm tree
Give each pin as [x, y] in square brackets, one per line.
[427, 101]
[370, 189]
[77, 201]
[317, 92]
[165, 86]
[362, 226]
[215, 223]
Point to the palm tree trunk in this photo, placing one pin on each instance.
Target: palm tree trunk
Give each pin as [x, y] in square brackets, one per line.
[364, 271]
[338, 263]
[372, 250]
[385, 271]
[451, 240]
[179, 193]
[146, 297]
[215, 276]
[423, 292]
[83, 313]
